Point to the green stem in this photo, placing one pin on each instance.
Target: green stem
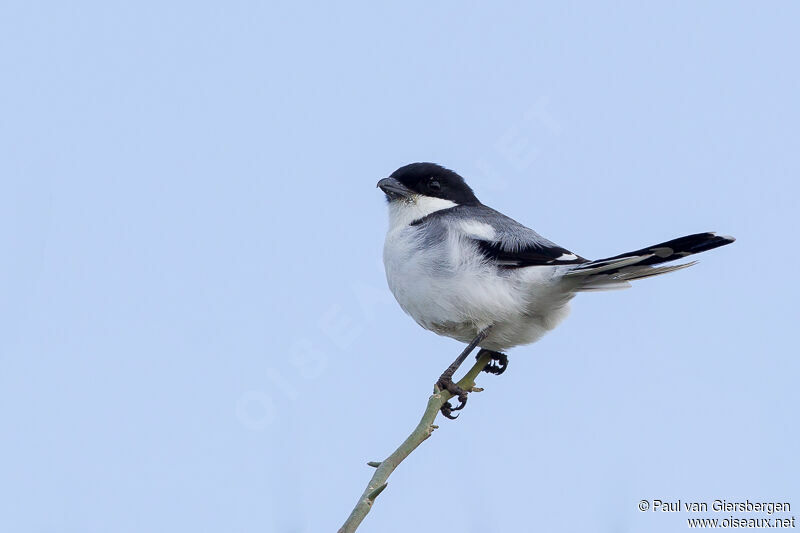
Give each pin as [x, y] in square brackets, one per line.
[423, 430]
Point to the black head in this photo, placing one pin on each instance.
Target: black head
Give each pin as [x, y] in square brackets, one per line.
[428, 179]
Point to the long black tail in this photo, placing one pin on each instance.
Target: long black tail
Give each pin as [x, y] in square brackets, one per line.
[640, 264]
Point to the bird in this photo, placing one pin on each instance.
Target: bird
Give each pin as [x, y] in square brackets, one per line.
[464, 270]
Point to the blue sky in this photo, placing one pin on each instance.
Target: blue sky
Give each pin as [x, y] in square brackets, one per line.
[195, 329]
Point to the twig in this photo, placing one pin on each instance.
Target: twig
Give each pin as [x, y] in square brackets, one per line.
[423, 430]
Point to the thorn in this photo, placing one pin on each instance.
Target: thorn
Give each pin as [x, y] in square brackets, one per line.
[434, 426]
[374, 494]
[477, 389]
[374, 464]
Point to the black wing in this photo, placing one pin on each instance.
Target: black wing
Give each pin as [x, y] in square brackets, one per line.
[528, 255]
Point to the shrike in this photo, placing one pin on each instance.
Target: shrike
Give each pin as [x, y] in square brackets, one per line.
[464, 270]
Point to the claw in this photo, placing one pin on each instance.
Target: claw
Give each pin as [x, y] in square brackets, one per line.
[445, 381]
[457, 392]
[446, 410]
[491, 367]
[462, 401]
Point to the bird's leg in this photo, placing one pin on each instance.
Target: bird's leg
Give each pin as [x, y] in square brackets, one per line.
[446, 379]
[491, 368]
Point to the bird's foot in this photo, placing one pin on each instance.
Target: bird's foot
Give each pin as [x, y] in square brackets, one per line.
[446, 383]
[491, 367]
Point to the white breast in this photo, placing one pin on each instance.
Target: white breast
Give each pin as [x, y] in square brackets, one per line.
[448, 287]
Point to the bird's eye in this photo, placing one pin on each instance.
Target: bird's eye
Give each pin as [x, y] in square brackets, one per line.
[434, 185]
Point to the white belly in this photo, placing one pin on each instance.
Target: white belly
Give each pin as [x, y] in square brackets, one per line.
[457, 295]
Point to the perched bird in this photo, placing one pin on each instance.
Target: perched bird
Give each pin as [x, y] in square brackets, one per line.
[463, 270]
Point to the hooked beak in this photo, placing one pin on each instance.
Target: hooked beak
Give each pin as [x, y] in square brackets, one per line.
[394, 189]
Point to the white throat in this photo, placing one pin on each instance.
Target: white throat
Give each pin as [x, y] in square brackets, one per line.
[404, 212]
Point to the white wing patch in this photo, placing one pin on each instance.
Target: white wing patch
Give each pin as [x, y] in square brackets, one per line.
[480, 230]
